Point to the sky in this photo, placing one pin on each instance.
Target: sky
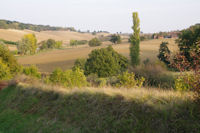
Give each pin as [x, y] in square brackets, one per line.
[108, 15]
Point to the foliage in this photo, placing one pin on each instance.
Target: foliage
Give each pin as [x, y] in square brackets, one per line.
[128, 80]
[28, 45]
[94, 42]
[9, 42]
[155, 75]
[69, 78]
[135, 41]
[5, 24]
[73, 42]
[193, 81]
[77, 42]
[105, 62]
[181, 83]
[32, 71]
[189, 40]
[80, 63]
[8, 59]
[164, 53]
[50, 44]
[4, 71]
[116, 39]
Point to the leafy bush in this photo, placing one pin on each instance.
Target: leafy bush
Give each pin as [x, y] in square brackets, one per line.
[154, 75]
[8, 59]
[182, 82]
[4, 71]
[9, 42]
[77, 42]
[79, 63]
[116, 39]
[105, 62]
[69, 78]
[94, 42]
[128, 80]
[32, 71]
[50, 44]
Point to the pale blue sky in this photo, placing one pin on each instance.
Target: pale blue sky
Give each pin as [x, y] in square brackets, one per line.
[109, 15]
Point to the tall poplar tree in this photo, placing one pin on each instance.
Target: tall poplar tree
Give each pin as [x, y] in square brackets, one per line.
[135, 41]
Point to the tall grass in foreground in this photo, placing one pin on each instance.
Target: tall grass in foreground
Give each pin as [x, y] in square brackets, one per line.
[40, 108]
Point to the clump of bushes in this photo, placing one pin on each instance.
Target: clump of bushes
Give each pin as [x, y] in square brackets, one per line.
[50, 44]
[68, 78]
[105, 62]
[78, 42]
[116, 39]
[94, 42]
[9, 60]
[128, 80]
[32, 71]
[155, 75]
[182, 83]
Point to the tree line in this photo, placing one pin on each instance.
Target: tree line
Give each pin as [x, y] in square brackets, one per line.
[6, 24]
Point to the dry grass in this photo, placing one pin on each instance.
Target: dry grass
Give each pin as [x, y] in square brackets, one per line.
[65, 58]
[65, 36]
[42, 108]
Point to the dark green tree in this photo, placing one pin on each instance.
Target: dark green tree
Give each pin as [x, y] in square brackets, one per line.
[189, 40]
[135, 41]
[105, 62]
[164, 53]
[116, 39]
[94, 42]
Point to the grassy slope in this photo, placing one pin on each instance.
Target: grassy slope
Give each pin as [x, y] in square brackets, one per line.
[93, 110]
[50, 60]
[65, 36]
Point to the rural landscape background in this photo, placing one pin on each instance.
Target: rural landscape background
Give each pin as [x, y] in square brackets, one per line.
[114, 71]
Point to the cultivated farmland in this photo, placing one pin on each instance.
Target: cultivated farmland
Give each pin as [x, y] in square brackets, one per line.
[48, 61]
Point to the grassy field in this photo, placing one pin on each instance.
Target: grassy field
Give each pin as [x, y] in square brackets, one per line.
[40, 108]
[48, 61]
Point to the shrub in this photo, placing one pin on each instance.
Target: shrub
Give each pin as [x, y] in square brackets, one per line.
[116, 39]
[32, 71]
[50, 44]
[79, 63]
[154, 75]
[105, 62]
[8, 59]
[128, 80]
[73, 42]
[94, 42]
[69, 78]
[4, 71]
[182, 83]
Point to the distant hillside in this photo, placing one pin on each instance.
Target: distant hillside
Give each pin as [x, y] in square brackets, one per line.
[6, 24]
[65, 36]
